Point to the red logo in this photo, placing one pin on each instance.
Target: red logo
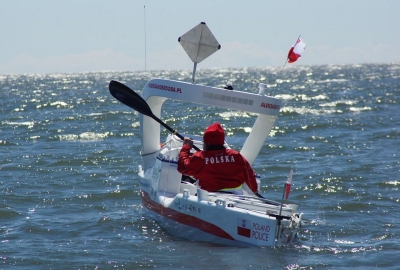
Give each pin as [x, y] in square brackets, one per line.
[270, 106]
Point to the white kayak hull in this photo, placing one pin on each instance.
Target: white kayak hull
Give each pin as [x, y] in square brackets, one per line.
[220, 218]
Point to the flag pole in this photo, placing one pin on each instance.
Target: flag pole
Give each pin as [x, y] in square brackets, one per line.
[286, 189]
[283, 196]
[288, 182]
[284, 64]
[297, 39]
[279, 218]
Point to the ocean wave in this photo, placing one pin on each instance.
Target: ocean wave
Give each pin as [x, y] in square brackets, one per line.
[28, 124]
[85, 136]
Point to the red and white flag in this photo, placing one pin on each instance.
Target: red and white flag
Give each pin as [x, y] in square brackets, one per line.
[296, 51]
[288, 184]
[244, 227]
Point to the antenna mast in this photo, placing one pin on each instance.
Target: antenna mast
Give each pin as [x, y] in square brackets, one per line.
[145, 61]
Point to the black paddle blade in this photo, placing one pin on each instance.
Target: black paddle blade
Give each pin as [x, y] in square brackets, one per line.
[129, 97]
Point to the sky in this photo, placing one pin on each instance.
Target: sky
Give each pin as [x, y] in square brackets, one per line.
[54, 36]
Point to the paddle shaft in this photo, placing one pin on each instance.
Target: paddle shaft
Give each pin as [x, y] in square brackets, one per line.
[171, 129]
[131, 99]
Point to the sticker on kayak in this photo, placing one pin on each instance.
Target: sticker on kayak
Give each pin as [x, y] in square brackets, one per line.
[253, 230]
[244, 227]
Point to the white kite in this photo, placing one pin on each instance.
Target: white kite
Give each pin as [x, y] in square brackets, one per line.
[199, 43]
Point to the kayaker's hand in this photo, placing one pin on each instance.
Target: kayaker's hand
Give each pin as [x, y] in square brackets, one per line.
[188, 141]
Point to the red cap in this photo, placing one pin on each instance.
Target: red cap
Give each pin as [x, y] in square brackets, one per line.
[214, 135]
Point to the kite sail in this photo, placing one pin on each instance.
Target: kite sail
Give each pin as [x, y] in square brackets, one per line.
[296, 51]
[199, 43]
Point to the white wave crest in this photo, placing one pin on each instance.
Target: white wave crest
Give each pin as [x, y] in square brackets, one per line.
[86, 136]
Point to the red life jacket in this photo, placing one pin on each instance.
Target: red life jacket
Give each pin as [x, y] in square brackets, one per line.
[217, 169]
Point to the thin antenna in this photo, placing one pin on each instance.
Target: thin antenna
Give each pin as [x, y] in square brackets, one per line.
[145, 60]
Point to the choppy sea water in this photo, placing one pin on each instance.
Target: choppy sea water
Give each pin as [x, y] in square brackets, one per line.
[69, 154]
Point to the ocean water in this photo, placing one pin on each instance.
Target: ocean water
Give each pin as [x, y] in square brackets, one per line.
[69, 153]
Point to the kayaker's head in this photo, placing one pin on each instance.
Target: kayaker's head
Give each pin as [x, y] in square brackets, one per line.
[214, 136]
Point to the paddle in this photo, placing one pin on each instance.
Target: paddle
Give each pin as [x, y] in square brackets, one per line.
[131, 99]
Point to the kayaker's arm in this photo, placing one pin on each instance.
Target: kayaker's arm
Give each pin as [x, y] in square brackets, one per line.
[250, 178]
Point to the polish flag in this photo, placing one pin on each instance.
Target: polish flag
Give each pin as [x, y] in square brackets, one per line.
[288, 184]
[243, 227]
[296, 51]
